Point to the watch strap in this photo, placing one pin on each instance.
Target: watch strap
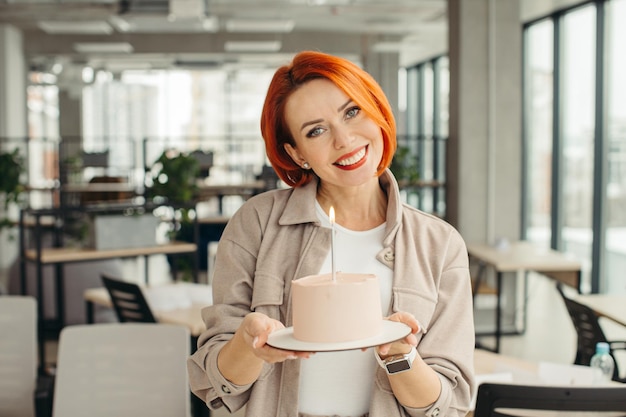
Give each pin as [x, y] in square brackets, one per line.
[397, 363]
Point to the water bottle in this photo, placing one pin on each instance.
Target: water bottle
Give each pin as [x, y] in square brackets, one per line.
[602, 364]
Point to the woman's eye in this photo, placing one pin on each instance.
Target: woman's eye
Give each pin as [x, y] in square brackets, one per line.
[352, 112]
[316, 131]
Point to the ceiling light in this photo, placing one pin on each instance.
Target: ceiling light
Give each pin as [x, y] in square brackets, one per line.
[119, 66]
[65, 27]
[251, 25]
[103, 47]
[210, 24]
[187, 8]
[121, 24]
[388, 47]
[252, 46]
[165, 24]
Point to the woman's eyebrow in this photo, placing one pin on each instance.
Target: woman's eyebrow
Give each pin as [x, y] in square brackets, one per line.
[312, 122]
[343, 106]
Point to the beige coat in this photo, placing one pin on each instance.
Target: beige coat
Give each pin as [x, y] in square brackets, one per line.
[275, 238]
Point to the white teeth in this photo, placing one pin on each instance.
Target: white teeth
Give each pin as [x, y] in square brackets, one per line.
[353, 159]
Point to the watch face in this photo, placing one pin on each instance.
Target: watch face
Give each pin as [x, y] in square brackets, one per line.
[398, 366]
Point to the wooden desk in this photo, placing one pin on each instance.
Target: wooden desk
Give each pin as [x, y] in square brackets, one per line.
[488, 365]
[100, 187]
[60, 256]
[67, 255]
[190, 317]
[217, 220]
[487, 362]
[244, 190]
[612, 307]
[522, 256]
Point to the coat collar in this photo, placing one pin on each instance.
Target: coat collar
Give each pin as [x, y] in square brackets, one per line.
[300, 207]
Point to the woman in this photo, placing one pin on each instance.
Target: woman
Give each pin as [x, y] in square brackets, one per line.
[330, 134]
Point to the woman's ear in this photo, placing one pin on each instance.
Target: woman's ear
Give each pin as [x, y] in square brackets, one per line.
[294, 154]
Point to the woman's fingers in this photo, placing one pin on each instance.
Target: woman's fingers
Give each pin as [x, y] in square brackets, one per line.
[406, 318]
[400, 346]
[257, 328]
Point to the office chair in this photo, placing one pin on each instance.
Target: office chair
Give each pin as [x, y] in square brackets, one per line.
[493, 398]
[131, 306]
[22, 392]
[128, 300]
[589, 333]
[122, 370]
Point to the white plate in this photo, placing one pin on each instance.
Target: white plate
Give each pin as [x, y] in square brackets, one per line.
[392, 331]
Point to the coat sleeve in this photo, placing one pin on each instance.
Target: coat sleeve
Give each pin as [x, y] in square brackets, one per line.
[448, 347]
[233, 281]
[439, 295]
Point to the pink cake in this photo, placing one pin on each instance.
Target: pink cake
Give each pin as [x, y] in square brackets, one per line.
[330, 312]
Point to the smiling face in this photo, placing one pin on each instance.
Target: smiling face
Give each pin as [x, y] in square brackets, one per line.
[341, 144]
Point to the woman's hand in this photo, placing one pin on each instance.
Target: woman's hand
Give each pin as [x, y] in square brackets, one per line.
[255, 330]
[420, 386]
[241, 359]
[404, 345]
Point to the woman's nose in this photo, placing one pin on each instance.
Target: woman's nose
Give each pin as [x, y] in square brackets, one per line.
[341, 137]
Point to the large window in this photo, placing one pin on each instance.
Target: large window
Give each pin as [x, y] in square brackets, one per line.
[578, 128]
[427, 131]
[538, 113]
[574, 123]
[615, 189]
[142, 113]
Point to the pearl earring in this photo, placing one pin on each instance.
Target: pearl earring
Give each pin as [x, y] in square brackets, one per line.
[306, 165]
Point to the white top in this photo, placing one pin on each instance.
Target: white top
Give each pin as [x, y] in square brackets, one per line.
[340, 383]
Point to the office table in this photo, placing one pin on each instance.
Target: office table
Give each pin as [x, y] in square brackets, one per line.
[60, 256]
[522, 256]
[610, 306]
[244, 190]
[497, 368]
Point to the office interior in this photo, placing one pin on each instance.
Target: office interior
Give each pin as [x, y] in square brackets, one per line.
[512, 111]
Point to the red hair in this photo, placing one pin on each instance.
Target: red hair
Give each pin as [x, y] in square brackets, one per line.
[352, 80]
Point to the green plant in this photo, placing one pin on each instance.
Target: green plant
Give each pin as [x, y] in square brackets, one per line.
[174, 179]
[405, 166]
[174, 182]
[11, 170]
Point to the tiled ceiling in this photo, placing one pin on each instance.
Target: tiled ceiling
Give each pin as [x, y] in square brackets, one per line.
[356, 16]
[201, 28]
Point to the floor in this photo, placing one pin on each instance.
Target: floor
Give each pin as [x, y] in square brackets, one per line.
[548, 336]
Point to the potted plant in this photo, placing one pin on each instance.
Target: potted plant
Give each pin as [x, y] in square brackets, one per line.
[173, 178]
[11, 188]
[405, 167]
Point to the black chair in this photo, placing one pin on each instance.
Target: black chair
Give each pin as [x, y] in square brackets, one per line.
[128, 301]
[492, 399]
[589, 333]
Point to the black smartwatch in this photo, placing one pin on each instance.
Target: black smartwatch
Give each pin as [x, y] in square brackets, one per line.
[397, 363]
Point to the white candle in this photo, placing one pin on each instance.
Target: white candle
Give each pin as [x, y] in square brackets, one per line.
[331, 216]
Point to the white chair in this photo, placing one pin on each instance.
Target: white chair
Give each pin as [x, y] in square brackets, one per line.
[122, 370]
[18, 355]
